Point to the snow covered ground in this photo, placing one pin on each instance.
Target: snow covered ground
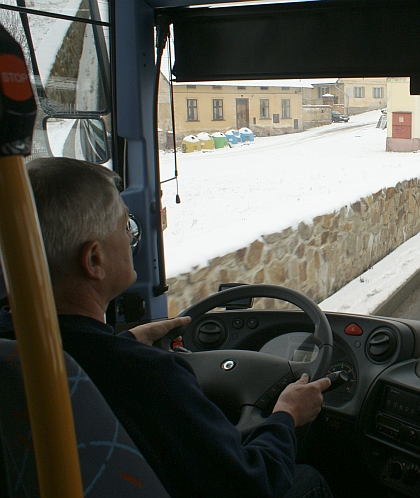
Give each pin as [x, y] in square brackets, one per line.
[231, 197]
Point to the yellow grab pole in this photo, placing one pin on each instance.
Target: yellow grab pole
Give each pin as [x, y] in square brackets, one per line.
[29, 287]
[36, 329]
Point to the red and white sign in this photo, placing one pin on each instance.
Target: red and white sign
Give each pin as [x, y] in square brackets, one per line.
[14, 78]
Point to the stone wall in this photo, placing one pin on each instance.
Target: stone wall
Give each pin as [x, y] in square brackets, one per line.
[316, 259]
[316, 115]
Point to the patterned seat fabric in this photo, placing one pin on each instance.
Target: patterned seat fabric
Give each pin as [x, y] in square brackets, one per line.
[111, 464]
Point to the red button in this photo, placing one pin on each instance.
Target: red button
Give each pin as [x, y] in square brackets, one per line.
[353, 329]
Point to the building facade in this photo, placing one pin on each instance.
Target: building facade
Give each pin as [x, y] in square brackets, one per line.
[271, 107]
[267, 109]
[364, 94]
[403, 116]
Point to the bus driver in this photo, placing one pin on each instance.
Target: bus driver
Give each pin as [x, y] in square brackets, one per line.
[193, 448]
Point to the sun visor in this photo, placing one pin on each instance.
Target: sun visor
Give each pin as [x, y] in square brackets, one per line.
[298, 40]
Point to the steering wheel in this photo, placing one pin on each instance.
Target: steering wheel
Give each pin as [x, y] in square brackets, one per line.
[249, 381]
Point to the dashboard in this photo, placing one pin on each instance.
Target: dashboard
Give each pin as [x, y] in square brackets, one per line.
[377, 408]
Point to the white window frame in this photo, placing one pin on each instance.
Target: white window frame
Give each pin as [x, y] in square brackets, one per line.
[264, 108]
[217, 109]
[358, 92]
[285, 108]
[378, 92]
[192, 110]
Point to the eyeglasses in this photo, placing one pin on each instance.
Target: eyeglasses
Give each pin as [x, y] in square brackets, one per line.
[134, 229]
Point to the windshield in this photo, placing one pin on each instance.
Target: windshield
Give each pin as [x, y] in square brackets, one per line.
[307, 183]
[278, 186]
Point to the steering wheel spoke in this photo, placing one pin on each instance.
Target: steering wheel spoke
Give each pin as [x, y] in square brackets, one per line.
[251, 417]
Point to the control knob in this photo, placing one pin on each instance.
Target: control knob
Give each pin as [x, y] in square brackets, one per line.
[411, 476]
[395, 470]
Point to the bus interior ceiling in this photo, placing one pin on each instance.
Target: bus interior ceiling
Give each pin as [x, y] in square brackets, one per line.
[349, 38]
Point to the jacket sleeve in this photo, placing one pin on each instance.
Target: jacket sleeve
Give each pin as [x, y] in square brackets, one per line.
[197, 451]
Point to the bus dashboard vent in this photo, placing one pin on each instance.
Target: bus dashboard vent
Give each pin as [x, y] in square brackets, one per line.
[381, 345]
[210, 334]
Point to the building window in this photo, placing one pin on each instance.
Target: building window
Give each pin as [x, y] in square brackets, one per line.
[191, 86]
[217, 109]
[285, 108]
[285, 88]
[358, 92]
[264, 109]
[192, 114]
[323, 90]
[276, 118]
[217, 87]
[241, 87]
[377, 92]
[263, 87]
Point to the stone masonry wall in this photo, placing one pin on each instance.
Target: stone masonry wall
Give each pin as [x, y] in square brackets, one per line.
[316, 259]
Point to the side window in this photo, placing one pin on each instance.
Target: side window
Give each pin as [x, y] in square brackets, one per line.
[358, 92]
[285, 108]
[264, 110]
[192, 113]
[217, 109]
[322, 91]
[68, 60]
[377, 92]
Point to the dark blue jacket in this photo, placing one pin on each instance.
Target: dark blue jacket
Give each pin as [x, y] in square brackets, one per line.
[195, 451]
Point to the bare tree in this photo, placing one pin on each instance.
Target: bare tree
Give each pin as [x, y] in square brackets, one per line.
[11, 21]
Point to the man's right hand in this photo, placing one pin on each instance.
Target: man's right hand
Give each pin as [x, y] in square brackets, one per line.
[303, 400]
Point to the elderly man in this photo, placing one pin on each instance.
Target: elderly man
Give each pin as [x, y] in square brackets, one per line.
[193, 448]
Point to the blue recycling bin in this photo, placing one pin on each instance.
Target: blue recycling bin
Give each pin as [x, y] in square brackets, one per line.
[246, 135]
[233, 137]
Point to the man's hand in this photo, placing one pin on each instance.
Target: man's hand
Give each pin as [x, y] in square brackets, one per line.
[302, 400]
[151, 332]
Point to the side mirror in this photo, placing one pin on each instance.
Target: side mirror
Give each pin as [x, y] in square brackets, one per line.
[77, 138]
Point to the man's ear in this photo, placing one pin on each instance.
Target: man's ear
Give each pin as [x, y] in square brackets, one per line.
[91, 261]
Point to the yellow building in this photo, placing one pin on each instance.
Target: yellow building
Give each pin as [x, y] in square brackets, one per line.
[266, 107]
[270, 107]
[363, 94]
[351, 95]
[403, 127]
[164, 114]
[313, 95]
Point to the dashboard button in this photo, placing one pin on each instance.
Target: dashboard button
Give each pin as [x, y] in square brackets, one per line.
[263, 402]
[353, 329]
[252, 323]
[238, 323]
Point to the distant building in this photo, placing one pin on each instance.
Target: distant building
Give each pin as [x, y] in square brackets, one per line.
[314, 94]
[363, 94]
[403, 116]
[351, 95]
[270, 107]
[164, 113]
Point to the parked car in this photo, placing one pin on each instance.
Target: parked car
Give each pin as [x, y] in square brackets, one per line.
[337, 117]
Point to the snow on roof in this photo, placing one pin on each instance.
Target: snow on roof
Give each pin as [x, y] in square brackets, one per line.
[295, 83]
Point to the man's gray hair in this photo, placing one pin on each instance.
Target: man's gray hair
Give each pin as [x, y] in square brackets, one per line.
[77, 202]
